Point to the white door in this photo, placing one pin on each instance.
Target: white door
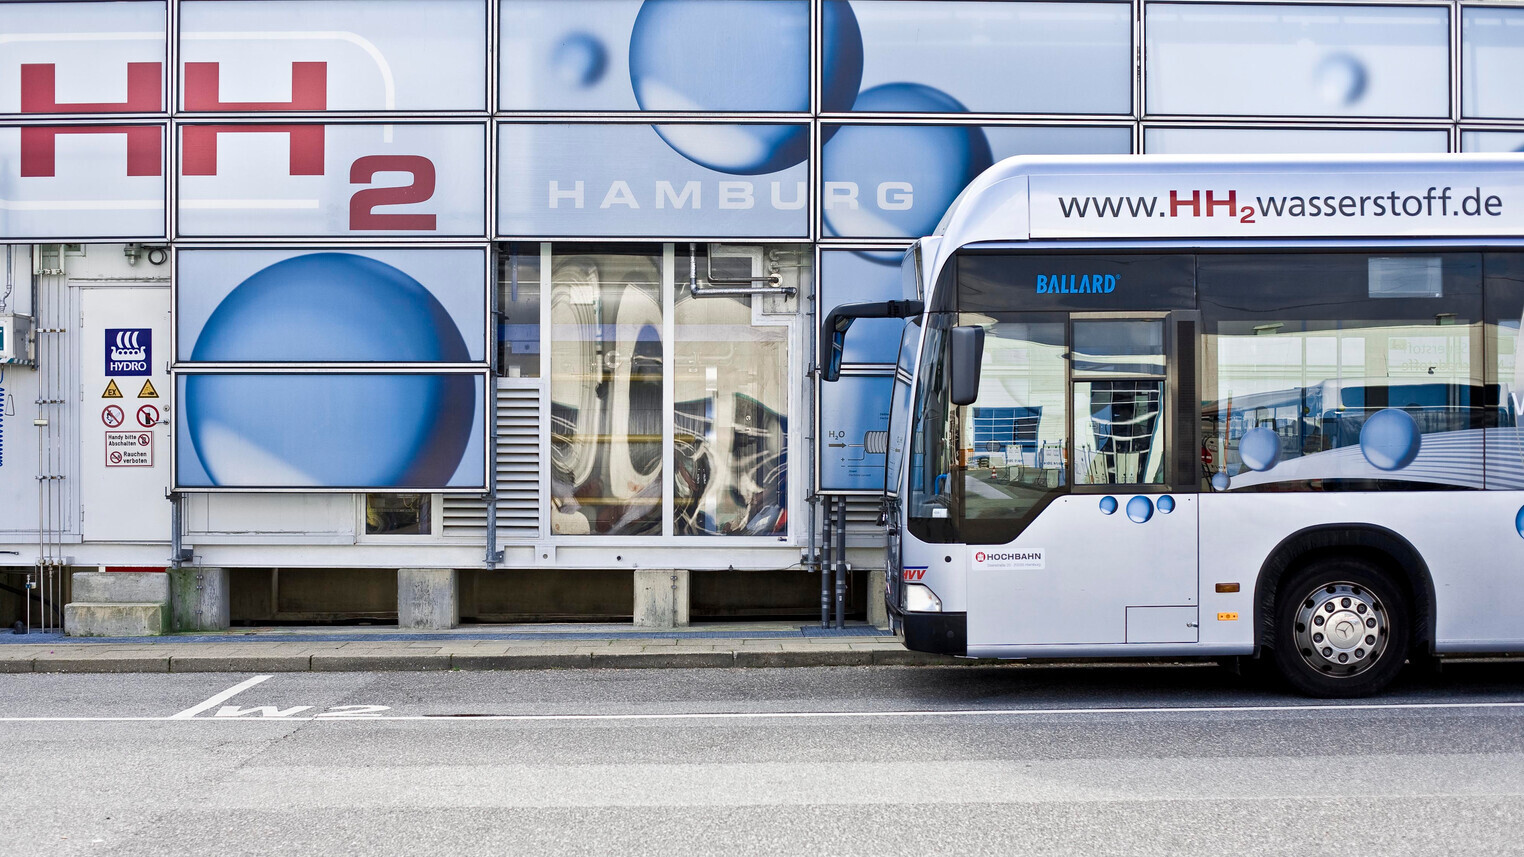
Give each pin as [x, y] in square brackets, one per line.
[125, 413]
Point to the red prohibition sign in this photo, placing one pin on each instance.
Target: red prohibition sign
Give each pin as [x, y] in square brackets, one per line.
[116, 458]
[112, 416]
[145, 439]
[148, 416]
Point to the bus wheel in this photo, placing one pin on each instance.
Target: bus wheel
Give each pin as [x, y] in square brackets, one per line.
[1341, 629]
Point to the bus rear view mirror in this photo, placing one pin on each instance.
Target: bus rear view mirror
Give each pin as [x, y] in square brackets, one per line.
[833, 332]
[966, 353]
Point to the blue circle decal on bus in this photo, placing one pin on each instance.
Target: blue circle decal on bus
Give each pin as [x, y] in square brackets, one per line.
[1108, 505]
[1140, 509]
[1390, 439]
[1220, 481]
[1260, 449]
[1518, 522]
[1166, 504]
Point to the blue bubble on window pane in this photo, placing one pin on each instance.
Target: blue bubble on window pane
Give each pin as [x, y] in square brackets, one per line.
[750, 55]
[322, 307]
[1140, 509]
[1166, 504]
[1341, 79]
[1390, 439]
[1108, 505]
[1220, 481]
[309, 430]
[1259, 449]
[580, 59]
[897, 180]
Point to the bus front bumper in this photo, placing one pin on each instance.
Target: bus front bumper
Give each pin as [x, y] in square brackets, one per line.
[938, 633]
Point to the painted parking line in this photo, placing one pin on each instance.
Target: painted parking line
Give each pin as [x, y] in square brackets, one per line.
[269, 713]
[218, 699]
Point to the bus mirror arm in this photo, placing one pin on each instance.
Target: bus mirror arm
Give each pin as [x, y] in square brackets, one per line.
[833, 333]
[964, 359]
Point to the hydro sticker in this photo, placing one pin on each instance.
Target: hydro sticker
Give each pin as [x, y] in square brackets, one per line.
[1006, 560]
[129, 351]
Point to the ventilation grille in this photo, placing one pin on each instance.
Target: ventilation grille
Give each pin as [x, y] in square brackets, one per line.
[518, 475]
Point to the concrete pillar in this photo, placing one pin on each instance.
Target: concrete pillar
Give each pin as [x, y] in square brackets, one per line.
[118, 604]
[661, 598]
[428, 599]
[199, 599]
[878, 611]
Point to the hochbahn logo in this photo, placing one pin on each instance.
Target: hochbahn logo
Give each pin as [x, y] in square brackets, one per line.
[1032, 558]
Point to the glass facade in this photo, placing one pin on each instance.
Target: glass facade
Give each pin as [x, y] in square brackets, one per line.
[581, 147]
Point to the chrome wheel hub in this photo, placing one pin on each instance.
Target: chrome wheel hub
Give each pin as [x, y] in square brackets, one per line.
[1341, 629]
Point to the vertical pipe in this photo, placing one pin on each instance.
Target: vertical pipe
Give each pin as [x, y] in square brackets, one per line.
[841, 563]
[826, 545]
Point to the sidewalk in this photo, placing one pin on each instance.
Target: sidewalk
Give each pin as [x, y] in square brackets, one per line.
[477, 647]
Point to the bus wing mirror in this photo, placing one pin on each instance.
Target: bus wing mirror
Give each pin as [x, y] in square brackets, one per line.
[966, 354]
[833, 333]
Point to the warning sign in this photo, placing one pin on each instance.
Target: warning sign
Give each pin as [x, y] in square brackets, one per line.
[112, 391]
[112, 416]
[129, 449]
[148, 416]
[148, 392]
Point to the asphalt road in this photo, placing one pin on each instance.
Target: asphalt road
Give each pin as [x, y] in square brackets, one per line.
[849, 760]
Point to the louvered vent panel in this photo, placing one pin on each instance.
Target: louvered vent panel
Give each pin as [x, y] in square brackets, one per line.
[518, 475]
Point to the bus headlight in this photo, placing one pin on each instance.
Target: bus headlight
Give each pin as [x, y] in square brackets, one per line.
[920, 599]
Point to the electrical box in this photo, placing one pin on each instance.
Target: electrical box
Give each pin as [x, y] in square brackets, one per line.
[16, 340]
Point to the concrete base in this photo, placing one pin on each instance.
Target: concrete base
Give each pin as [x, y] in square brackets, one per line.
[199, 599]
[661, 598]
[120, 587]
[428, 599]
[116, 620]
[878, 611]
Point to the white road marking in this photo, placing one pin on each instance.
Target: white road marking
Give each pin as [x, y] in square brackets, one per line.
[191, 713]
[218, 699]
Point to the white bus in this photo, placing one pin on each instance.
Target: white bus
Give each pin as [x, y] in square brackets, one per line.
[1258, 407]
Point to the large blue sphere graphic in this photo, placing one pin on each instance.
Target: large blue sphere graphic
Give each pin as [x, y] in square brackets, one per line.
[1390, 439]
[1259, 449]
[905, 175]
[342, 430]
[1140, 509]
[1518, 521]
[323, 307]
[741, 55]
[1166, 504]
[1108, 505]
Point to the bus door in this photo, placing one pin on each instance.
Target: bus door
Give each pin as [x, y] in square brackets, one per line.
[1118, 549]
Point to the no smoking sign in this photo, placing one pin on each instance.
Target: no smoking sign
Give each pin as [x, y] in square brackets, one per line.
[129, 449]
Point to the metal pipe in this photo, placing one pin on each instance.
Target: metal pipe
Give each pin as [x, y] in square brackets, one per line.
[826, 564]
[711, 292]
[841, 564]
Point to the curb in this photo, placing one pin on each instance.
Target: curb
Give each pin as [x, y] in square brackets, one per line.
[326, 662]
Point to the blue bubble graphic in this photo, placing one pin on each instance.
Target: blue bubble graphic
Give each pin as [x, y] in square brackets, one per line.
[385, 431]
[1259, 449]
[1140, 509]
[322, 307]
[1341, 79]
[935, 161]
[1390, 439]
[1220, 481]
[1166, 504]
[1108, 505]
[1518, 522]
[687, 56]
[580, 59]
[329, 429]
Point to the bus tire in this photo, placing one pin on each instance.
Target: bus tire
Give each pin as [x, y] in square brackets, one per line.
[1341, 629]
